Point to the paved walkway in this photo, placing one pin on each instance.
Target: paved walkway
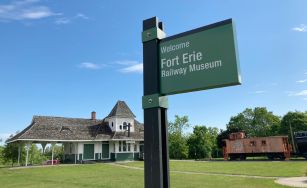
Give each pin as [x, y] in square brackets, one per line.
[293, 182]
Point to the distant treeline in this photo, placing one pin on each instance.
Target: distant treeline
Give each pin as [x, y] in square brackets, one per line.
[206, 142]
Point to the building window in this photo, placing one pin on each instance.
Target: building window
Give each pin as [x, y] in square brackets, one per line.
[119, 146]
[135, 147]
[252, 143]
[129, 147]
[125, 126]
[124, 146]
[263, 142]
[120, 127]
[112, 124]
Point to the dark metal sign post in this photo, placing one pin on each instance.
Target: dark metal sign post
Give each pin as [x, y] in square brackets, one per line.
[203, 58]
[155, 110]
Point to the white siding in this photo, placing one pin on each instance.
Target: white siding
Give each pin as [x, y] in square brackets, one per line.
[117, 122]
[137, 147]
[111, 147]
[80, 148]
[97, 147]
[116, 147]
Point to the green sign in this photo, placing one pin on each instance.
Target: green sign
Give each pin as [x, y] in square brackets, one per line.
[199, 59]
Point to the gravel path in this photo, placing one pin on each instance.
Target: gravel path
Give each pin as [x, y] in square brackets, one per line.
[293, 182]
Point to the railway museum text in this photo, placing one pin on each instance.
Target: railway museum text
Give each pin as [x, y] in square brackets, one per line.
[186, 62]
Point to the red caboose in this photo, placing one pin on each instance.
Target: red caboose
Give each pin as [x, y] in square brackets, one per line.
[240, 147]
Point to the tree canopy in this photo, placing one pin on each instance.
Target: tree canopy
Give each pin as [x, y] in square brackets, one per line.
[178, 148]
[202, 143]
[10, 153]
[255, 122]
[297, 120]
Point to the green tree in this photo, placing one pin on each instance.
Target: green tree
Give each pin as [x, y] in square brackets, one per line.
[297, 120]
[35, 155]
[255, 122]
[213, 132]
[1, 157]
[58, 152]
[202, 143]
[10, 153]
[178, 148]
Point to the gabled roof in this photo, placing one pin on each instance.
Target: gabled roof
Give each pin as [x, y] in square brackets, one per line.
[48, 128]
[121, 109]
[61, 128]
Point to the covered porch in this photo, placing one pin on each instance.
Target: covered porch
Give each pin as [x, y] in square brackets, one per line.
[27, 152]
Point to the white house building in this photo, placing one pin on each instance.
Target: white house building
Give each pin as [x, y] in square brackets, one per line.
[119, 136]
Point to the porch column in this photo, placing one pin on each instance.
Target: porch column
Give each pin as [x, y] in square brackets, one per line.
[28, 145]
[132, 148]
[52, 147]
[78, 156]
[44, 146]
[75, 151]
[19, 152]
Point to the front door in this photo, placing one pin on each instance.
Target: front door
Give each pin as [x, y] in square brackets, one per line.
[88, 152]
[142, 151]
[105, 150]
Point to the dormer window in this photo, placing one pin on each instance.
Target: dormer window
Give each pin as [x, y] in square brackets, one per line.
[125, 126]
[112, 124]
[120, 127]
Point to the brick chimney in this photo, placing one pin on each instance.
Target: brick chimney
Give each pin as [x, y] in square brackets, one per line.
[93, 115]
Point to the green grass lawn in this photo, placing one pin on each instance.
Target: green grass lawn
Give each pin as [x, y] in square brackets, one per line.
[105, 175]
[258, 168]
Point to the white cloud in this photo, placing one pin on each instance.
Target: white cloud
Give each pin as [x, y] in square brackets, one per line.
[301, 28]
[301, 93]
[24, 10]
[63, 20]
[137, 68]
[90, 65]
[126, 62]
[301, 81]
[82, 16]
[130, 66]
[67, 20]
[289, 93]
[273, 84]
[260, 92]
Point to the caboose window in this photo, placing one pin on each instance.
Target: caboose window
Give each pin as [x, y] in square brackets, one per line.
[263, 142]
[252, 143]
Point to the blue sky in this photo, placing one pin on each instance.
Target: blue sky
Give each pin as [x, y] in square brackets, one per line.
[68, 58]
